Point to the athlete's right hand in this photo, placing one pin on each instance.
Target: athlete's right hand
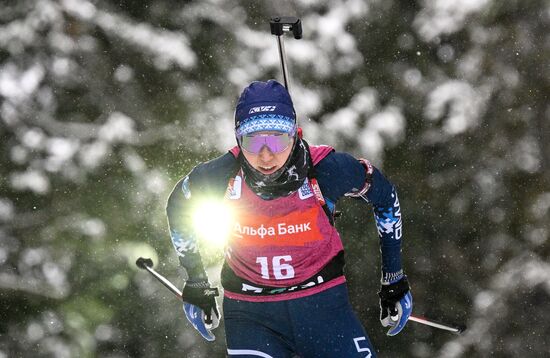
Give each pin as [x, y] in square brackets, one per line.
[200, 307]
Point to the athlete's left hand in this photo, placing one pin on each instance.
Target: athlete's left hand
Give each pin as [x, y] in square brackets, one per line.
[395, 305]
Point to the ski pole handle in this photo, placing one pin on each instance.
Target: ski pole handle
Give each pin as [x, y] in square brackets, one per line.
[446, 327]
[281, 24]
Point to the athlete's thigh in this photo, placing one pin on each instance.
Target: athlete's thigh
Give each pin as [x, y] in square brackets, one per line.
[253, 333]
[330, 327]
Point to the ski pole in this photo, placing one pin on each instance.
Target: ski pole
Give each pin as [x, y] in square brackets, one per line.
[279, 25]
[147, 264]
[458, 329]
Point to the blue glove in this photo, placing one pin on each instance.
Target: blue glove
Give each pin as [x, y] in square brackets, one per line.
[196, 317]
[200, 308]
[396, 305]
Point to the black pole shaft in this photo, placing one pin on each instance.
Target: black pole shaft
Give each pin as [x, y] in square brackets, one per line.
[282, 56]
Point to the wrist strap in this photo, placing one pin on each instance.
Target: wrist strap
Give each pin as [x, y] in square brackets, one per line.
[395, 290]
[197, 284]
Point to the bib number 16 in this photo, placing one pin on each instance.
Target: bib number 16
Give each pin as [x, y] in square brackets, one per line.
[280, 266]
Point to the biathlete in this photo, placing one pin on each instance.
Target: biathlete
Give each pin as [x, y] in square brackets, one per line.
[285, 292]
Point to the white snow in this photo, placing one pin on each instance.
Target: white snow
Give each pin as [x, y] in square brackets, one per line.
[17, 85]
[3, 255]
[31, 179]
[439, 17]
[35, 331]
[91, 155]
[527, 155]
[34, 138]
[383, 129]
[523, 272]
[7, 209]
[464, 103]
[93, 227]
[344, 121]
[541, 205]
[124, 73]
[168, 47]
[60, 150]
[118, 128]
[55, 275]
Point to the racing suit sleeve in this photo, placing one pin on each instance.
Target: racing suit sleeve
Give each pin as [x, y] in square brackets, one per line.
[342, 174]
[381, 193]
[387, 214]
[182, 234]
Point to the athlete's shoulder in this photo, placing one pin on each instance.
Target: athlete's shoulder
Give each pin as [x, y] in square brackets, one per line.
[339, 173]
[214, 173]
[340, 162]
[319, 152]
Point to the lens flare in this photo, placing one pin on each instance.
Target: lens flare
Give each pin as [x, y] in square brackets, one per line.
[212, 221]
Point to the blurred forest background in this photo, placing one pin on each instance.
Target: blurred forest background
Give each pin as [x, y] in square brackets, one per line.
[104, 105]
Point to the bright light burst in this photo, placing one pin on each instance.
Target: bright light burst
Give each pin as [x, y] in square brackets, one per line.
[212, 221]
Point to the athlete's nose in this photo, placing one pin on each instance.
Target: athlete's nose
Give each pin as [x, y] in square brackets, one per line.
[265, 154]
